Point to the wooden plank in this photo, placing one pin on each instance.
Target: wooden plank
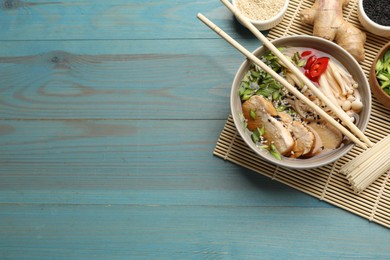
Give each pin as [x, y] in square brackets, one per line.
[109, 113]
[128, 162]
[180, 79]
[122, 19]
[177, 232]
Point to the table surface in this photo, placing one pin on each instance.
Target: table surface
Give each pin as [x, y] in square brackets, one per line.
[109, 114]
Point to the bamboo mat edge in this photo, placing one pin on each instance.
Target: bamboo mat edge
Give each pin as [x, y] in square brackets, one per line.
[324, 183]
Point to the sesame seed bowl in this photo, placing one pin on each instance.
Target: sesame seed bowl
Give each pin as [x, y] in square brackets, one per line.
[374, 15]
[263, 14]
[240, 114]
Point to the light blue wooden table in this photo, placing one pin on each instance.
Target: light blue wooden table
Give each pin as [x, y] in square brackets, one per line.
[109, 114]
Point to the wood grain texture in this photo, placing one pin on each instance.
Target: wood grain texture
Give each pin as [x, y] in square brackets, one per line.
[125, 79]
[132, 162]
[88, 19]
[162, 232]
[109, 114]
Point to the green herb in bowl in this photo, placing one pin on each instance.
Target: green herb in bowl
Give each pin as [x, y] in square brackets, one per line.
[382, 71]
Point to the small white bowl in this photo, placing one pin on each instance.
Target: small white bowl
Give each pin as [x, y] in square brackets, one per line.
[263, 25]
[370, 25]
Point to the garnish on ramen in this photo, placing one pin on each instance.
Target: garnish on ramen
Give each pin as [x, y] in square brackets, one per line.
[283, 124]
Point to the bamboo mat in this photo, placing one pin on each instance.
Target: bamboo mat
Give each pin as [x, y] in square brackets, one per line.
[324, 183]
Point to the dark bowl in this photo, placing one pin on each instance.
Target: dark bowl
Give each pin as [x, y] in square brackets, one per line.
[378, 92]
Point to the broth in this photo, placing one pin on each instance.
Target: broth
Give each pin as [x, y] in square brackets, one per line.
[283, 124]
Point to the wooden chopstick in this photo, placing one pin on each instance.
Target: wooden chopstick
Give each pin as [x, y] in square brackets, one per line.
[280, 79]
[338, 111]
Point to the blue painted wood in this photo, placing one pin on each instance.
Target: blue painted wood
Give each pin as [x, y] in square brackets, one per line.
[172, 232]
[121, 19]
[180, 79]
[128, 162]
[109, 113]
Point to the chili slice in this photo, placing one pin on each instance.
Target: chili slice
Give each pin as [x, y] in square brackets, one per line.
[310, 61]
[305, 53]
[318, 67]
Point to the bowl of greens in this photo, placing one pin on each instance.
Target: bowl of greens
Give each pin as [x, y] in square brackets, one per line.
[380, 76]
[282, 129]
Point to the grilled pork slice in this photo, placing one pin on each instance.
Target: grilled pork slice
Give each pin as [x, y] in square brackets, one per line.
[259, 113]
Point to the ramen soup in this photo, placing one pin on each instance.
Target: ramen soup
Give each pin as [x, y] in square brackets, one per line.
[286, 126]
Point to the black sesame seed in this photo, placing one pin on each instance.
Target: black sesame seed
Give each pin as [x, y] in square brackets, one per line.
[377, 11]
[277, 117]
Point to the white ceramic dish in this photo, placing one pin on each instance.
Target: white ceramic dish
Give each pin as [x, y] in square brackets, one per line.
[263, 25]
[322, 45]
[370, 25]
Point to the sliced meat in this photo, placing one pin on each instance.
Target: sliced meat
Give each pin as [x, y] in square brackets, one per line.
[330, 136]
[304, 139]
[261, 108]
[317, 145]
[275, 132]
[265, 115]
[285, 118]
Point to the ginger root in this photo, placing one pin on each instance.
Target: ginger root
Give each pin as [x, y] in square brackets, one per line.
[326, 16]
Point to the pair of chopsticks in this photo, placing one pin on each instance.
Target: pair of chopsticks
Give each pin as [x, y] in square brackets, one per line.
[336, 110]
[354, 134]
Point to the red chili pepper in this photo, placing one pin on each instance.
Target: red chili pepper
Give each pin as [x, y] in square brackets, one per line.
[305, 53]
[310, 61]
[318, 67]
[307, 74]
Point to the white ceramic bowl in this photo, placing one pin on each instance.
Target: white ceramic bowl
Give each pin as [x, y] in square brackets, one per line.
[370, 25]
[263, 25]
[322, 45]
